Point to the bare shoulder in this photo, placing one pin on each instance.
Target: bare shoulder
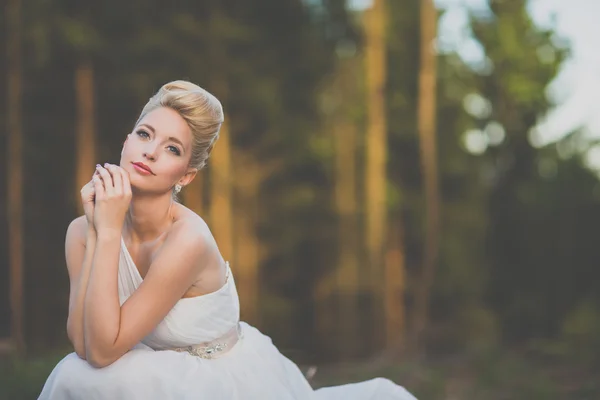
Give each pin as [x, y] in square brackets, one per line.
[76, 231]
[191, 241]
[189, 229]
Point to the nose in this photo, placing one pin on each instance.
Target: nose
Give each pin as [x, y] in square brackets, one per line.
[150, 153]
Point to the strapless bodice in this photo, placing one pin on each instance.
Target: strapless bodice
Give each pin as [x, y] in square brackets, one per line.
[192, 320]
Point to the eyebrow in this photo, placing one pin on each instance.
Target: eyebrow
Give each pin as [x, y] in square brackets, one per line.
[149, 127]
[171, 138]
[174, 139]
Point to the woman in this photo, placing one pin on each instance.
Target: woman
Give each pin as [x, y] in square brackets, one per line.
[153, 308]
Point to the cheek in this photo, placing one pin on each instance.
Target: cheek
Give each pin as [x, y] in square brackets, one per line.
[128, 146]
[182, 169]
[124, 150]
[173, 168]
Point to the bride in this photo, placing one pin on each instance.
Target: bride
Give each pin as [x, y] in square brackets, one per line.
[153, 307]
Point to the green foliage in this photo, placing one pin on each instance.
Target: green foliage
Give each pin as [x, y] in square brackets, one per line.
[581, 332]
[537, 224]
[24, 379]
[461, 276]
[493, 374]
[518, 255]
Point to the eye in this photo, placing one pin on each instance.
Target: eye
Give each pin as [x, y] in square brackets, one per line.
[143, 134]
[174, 150]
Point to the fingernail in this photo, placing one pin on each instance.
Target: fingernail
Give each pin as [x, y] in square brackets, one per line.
[97, 165]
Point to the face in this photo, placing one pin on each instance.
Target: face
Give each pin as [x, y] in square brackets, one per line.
[157, 153]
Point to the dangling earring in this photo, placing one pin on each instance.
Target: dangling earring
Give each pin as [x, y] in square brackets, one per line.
[178, 188]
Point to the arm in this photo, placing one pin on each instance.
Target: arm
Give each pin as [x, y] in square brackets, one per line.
[110, 329]
[79, 249]
[80, 242]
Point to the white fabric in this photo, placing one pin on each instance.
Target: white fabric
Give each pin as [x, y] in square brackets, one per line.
[252, 369]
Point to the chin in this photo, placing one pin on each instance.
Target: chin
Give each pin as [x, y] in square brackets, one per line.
[138, 184]
[146, 188]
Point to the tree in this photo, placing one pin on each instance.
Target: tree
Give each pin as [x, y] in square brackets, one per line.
[376, 146]
[458, 287]
[337, 295]
[15, 171]
[221, 165]
[221, 194]
[427, 110]
[193, 195]
[523, 60]
[85, 136]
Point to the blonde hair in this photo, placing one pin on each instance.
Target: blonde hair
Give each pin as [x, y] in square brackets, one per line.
[201, 110]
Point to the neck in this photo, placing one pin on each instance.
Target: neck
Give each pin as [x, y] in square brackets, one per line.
[148, 217]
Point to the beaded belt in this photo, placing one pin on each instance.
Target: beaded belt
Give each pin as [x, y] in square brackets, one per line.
[217, 347]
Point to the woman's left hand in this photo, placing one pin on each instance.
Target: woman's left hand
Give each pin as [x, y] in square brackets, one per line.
[113, 196]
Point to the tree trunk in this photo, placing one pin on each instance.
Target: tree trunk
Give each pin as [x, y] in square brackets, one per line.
[85, 138]
[395, 284]
[220, 164]
[345, 142]
[376, 157]
[427, 137]
[193, 194]
[247, 245]
[15, 172]
[221, 193]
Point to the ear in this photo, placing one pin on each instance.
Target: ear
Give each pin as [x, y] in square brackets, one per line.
[188, 177]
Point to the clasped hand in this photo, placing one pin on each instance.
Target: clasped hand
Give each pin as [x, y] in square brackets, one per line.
[112, 197]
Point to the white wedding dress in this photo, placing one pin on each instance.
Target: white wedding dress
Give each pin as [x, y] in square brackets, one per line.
[235, 360]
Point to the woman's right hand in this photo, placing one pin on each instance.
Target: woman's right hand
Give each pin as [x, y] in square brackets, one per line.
[88, 198]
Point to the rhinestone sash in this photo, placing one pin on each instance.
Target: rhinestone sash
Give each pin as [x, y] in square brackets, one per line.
[215, 348]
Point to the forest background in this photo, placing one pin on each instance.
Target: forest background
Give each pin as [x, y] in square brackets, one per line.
[388, 209]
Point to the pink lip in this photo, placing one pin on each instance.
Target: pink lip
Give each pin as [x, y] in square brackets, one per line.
[142, 168]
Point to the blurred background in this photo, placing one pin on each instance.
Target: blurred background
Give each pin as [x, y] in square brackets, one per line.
[403, 189]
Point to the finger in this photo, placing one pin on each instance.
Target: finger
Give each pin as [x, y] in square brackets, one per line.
[88, 190]
[97, 173]
[116, 177]
[107, 180]
[87, 186]
[91, 189]
[126, 181]
[98, 185]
